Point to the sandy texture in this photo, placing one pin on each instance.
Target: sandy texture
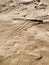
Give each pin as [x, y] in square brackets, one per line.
[23, 42]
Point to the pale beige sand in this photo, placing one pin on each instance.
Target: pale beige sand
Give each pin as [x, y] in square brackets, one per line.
[24, 42]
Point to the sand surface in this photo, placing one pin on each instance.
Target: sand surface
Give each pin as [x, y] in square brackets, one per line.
[23, 42]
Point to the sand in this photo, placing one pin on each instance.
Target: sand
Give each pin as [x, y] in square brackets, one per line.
[23, 42]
